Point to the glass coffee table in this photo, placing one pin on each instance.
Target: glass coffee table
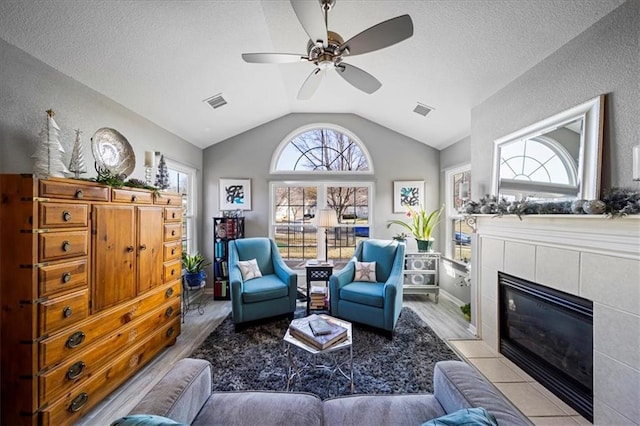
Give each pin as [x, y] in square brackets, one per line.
[336, 359]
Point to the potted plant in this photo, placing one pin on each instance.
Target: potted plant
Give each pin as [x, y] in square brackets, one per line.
[421, 225]
[193, 269]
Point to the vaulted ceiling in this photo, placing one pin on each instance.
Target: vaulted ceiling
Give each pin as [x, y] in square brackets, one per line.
[162, 58]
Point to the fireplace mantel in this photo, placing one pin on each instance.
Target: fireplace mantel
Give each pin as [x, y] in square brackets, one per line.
[594, 233]
[594, 257]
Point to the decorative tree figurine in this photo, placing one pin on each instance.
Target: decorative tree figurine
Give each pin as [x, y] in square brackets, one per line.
[48, 161]
[76, 165]
[162, 177]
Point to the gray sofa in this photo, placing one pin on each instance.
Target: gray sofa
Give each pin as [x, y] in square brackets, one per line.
[184, 394]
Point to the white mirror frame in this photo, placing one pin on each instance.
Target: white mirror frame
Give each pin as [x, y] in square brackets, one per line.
[590, 161]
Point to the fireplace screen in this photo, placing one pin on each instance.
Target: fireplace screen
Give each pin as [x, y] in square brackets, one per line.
[549, 334]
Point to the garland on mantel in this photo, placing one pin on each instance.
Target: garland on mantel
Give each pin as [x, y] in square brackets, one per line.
[614, 202]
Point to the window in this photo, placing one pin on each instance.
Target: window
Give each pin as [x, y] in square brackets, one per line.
[321, 149]
[293, 227]
[312, 151]
[182, 179]
[457, 189]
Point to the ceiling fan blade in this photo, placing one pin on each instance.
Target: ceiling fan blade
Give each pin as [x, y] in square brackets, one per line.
[379, 36]
[358, 78]
[272, 58]
[312, 19]
[310, 85]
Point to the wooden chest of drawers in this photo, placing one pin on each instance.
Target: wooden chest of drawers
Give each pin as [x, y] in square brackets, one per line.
[90, 292]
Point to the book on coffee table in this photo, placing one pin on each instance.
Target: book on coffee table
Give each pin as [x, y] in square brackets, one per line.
[301, 330]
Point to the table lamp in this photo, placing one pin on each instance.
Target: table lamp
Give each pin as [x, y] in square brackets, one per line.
[326, 218]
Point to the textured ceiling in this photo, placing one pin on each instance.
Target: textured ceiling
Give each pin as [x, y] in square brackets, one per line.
[162, 58]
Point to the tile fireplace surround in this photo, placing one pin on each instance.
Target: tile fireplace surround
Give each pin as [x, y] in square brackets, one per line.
[589, 256]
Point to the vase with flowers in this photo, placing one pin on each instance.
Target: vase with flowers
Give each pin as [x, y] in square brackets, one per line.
[421, 225]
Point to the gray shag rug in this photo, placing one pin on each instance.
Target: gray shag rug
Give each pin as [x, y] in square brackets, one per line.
[254, 359]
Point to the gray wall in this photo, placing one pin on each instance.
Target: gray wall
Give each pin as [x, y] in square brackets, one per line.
[603, 59]
[454, 155]
[248, 155]
[28, 87]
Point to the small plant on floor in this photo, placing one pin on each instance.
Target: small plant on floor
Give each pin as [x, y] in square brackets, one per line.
[193, 268]
[466, 311]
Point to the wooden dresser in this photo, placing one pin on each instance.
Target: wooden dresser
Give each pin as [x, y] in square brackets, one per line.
[90, 292]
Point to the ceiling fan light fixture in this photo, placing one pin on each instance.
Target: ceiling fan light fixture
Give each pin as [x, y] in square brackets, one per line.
[422, 109]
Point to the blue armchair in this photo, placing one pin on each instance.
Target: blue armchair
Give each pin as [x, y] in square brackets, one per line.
[377, 304]
[272, 294]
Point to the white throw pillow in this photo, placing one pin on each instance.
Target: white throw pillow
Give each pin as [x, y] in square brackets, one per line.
[365, 271]
[249, 269]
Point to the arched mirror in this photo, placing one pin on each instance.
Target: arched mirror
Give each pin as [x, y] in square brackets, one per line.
[555, 159]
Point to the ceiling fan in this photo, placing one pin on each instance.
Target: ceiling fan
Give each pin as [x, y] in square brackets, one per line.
[326, 49]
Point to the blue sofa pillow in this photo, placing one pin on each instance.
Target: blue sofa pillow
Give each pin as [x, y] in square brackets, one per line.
[144, 420]
[465, 417]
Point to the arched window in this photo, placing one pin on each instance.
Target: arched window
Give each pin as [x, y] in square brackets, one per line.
[537, 164]
[312, 152]
[321, 148]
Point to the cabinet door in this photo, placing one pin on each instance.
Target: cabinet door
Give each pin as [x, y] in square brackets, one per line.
[114, 255]
[150, 247]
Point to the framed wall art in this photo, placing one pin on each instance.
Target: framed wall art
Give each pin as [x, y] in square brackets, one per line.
[235, 194]
[407, 193]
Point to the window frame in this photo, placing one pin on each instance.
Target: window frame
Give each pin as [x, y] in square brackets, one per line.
[451, 213]
[190, 216]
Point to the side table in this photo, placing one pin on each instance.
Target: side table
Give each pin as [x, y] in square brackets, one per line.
[318, 272]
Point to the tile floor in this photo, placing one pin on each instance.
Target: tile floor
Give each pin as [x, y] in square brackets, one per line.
[541, 406]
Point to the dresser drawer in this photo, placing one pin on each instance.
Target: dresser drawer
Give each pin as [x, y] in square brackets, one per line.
[131, 196]
[83, 397]
[168, 199]
[62, 311]
[73, 190]
[172, 270]
[172, 250]
[61, 245]
[85, 364]
[59, 215]
[173, 214]
[172, 231]
[75, 339]
[62, 276]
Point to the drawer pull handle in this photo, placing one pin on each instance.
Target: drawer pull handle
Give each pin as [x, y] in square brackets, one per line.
[168, 312]
[66, 216]
[173, 251]
[75, 339]
[169, 292]
[130, 249]
[134, 198]
[75, 370]
[67, 311]
[143, 247]
[170, 332]
[173, 233]
[173, 215]
[169, 201]
[66, 246]
[66, 277]
[173, 272]
[79, 193]
[78, 402]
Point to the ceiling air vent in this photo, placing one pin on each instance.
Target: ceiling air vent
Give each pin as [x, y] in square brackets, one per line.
[216, 101]
[422, 109]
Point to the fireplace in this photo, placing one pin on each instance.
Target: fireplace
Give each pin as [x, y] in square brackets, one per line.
[549, 334]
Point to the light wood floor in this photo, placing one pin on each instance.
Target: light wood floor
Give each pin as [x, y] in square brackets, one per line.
[444, 318]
